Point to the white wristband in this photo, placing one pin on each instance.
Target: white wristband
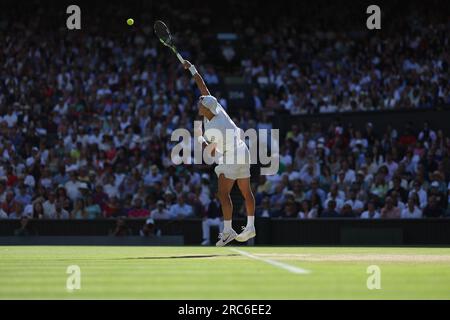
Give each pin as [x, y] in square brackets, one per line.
[193, 70]
[201, 140]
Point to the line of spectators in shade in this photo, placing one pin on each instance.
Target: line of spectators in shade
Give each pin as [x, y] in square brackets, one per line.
[337, 172]
[346, 172]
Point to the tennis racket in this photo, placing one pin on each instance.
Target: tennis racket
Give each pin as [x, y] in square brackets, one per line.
[163, 34]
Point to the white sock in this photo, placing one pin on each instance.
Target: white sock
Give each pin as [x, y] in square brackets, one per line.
[250, 221]
[227, 226]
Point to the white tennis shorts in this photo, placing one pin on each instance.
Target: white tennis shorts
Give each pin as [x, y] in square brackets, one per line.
[239, 168]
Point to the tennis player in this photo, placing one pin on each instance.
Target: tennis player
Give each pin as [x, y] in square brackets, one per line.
[224, 138]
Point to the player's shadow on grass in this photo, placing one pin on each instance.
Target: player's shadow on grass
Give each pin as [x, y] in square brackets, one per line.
[181, 257]
[163, 257]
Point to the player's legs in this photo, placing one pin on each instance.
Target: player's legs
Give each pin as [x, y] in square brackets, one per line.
[220, 224]
[246, 190]
[224, 189]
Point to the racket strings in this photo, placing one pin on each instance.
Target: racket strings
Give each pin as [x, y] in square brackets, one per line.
[163, 33]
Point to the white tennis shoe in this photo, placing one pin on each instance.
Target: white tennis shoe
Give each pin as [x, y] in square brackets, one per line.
[225, 238]
[246, 234]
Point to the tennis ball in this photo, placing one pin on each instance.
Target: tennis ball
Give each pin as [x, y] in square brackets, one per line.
[130, 22]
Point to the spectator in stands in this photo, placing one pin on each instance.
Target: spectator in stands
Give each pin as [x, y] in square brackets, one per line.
[389, 211]
[121, 229]
[213, 218]
[93, 210]
[148, 229]
[399, 189]
[264, 210]
[38, 210]
[347, 211]
[181, 209]
[50, 205]
[391, 166]
[100, 197]
[24, 229]
[263, 188]
[160, 212]
[411, 211]
[330, 211]
[11, 177]
[8, 205]
[63, 199]
[23, 197]
[297, 189]
[278, 197]
[397, 203]
[433, 208]
[315, 191]
[379, 187]
[110, 188]
[371, 212]
[325, 178]
[356, 205]
[439, 196]
[17, 211]
[349, 174]
[197, 207]
[290, 208]
[60, 212]
[72, 187]
[79, 210]
[169, 198]
[152, 176]
[440, 184]
[316, 203]
[210, 76]
[3, 214]
[337, 195]
[307, 174]
[421, 194]
[307, 212]
[138, 211]
[2, 187]
[113, 208]
[205, 192]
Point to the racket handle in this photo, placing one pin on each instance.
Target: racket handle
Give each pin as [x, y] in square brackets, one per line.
[180, 57]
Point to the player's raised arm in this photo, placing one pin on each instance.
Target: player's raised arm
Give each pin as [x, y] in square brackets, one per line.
[197, 77]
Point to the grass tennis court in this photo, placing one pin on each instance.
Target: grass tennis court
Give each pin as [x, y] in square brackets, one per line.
[224, 273]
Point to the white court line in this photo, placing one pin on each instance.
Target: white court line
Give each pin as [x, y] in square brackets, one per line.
[278, 264]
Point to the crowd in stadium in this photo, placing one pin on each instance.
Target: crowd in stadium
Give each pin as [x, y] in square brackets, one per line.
[85, 126]
[340, 171]
[329, 72]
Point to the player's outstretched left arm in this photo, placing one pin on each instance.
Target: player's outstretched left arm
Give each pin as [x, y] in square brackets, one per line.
[197, 77]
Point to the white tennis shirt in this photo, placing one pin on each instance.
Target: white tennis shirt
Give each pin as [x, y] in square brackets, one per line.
[224, 132]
